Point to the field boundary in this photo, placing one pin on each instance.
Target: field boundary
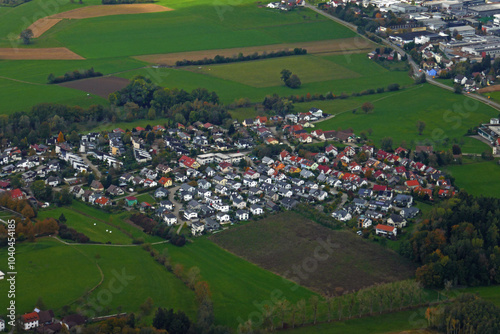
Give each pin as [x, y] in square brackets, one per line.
[343, 45]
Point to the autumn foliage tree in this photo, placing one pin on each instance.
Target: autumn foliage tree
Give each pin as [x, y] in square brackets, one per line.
[60, 137]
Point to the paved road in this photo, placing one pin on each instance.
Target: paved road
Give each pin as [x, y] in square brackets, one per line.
[91, 165]
[410, 60]
[177, 205]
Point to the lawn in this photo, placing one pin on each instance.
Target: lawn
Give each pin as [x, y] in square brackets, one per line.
[477, 178]
[146, 198]
[237, 286]
[266, 73]
[96, 230]
[447, 116]
[282, 241]
[489, 293]
[61, 274]
[241, 114]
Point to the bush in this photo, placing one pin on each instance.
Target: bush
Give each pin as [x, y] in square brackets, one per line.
[72, 76]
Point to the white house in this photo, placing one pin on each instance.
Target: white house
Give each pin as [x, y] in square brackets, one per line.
[242, 215]
[197, 228]
[256, 209]
[30, 320]
[190, 214]
[386, 230]
[2, 325]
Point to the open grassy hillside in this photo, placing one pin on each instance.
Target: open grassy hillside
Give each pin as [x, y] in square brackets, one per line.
[62, 275]
[447, 116]
[479, 177]
[238, 287]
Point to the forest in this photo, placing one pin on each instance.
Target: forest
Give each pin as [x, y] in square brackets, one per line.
[458, 244]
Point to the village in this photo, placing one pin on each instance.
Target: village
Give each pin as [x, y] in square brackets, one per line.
[213, 180]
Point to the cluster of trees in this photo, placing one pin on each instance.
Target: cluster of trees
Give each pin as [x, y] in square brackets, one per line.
[291, 80]
[172, 322]
[74, 75]
[281, 313]
[144, 99]
[467, 314]
[12, 3]
[69, 233]
[152, 227]
[459, 243]
[255, 56]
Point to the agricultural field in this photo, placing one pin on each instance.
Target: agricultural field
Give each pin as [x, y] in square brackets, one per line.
[62, 274]
[281, 242]
[237, 286]
[477, 177]
[447, 116]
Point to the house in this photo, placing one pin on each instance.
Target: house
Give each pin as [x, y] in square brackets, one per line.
[30, 320]
[161, 192]
[96, 186]
[17, 194]
[165, 182]
[409, 213]
[190, 214]
[239, 203]
[170, 219]
[256, 209]
[223, 217]
[102, 201]
[403, 200]
[381, 229]
[130, 200]
[211, 225]
[2, 325]
[188, 162]
[342, 215]
[45, 317]
[396, 220]
[114, 190]
[289, 203]
[197, 228]
[53, 181]
[242, 215]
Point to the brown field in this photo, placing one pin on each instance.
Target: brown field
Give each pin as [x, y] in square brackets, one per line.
[106, 10]
[281, 242]
[101, 86]
[42, 25]
[348, 45]
[38, 54]
[494, 88]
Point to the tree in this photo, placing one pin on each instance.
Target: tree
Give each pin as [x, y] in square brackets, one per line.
[62, 218]
[40, 304]
[147, 306]
[285, 75]
[314, 300]
[420, 127]
[457, 88]
[456, 150]
[293, 82]
[60, 137]
[386, 143]
[367, 107]
[26, 36]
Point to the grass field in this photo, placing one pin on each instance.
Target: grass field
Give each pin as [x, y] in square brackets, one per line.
[85, 225]
[237, 286]
[280, 242]
[61, 274]
[398, 322]
[446, 115]
[477, 178]
[266, 73]
[489, 293]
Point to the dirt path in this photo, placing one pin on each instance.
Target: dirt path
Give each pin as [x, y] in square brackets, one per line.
[108, 10]
[344, 45]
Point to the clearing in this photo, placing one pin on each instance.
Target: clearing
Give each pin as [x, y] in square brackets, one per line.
[285, 241]
[358, 45]
[477, 177]
[38, 54]
[100, 86]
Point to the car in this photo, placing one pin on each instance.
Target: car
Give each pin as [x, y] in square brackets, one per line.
[359, 233]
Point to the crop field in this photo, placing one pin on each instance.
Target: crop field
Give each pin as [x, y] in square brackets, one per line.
[38, 54]
[477, 178]
[282, 242]
[237, 286]
[395, 115]
[101, 86]
[62, 274]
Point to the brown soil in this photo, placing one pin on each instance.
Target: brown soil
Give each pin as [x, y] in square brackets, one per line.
[38, 54]
[106, 10]
[42, 25]
[101, 86]
[494, 88]
[348, 45]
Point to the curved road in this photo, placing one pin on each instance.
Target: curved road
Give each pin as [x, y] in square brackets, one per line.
[410, 60]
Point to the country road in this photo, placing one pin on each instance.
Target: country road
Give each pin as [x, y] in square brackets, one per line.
[412, 63]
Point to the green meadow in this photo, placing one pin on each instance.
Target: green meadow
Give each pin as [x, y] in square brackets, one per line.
[238, 287]
[477, 177]
[395, 115]
[62, 275]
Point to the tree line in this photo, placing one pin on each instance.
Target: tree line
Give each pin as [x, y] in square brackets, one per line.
[12, 3]
[152, 227]
[218, 59]
[458, 244]
[73, 75]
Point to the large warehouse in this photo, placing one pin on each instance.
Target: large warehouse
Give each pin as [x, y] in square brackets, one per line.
[485, 10]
